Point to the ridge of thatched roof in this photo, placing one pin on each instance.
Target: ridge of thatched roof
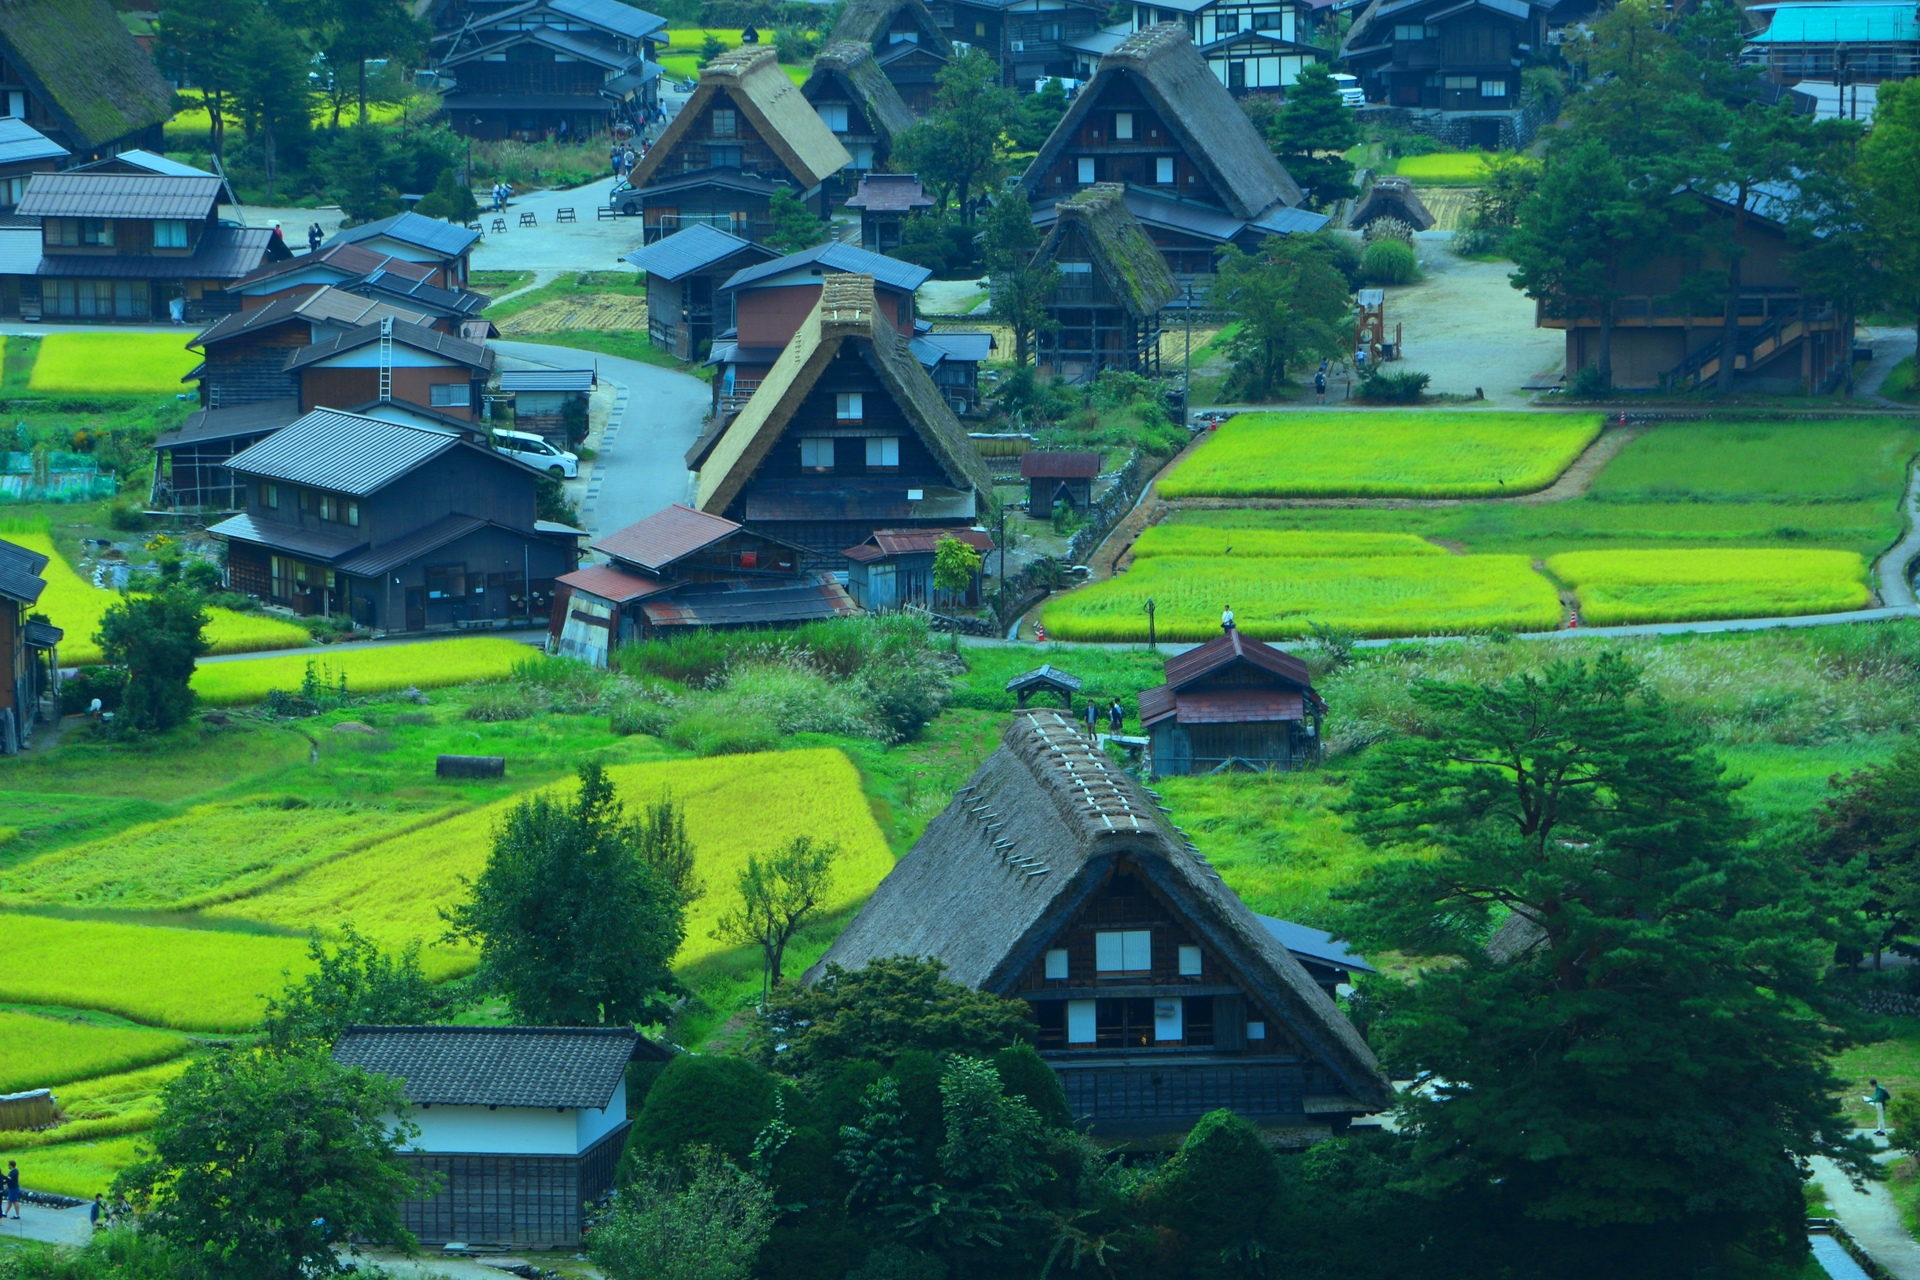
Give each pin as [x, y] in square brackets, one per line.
[94, 76]
[851, 62]
[1210, 126]
[1391, 198]
[868, 21]
[846, 312]
[1063, 804]
[752, 80]
[1135, 271]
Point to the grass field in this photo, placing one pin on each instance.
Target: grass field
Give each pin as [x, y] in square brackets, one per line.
[1617, 587]
[1278, 599]
[374, 669]
[1382, 455]
[682, 62]
[1797, 463]
[76, 1169]
[1444, 168]
[101, 1107]
[77, 606]
[735, 805]
[114, 363]
[1199, 540]
[208, 854]
[39, 1052]
[187, 979]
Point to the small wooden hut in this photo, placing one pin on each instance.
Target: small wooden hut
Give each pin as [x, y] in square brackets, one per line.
[1233, 703]
[1045, 679]
[1058, 476]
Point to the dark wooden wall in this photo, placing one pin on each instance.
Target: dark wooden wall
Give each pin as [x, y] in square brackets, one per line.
[251, 369]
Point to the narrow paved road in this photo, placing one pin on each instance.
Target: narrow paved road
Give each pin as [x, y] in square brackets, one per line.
[1871, 1218]
[656, 416]
[1890, 571]
[49, 1226]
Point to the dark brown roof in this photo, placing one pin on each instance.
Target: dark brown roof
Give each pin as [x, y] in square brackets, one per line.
[1135, 272]
[1237, 706]
[890, 193]
[1051, 799]
[417, 336]
[347, 259]
[224, 254]
[868, 22]
[1209, 125]
[1232, 646]
[664, 537]
[1223, 651]
[851, 63]
[20, 572]
[98, 81]
[1059, 465]
[571, 1067]
[907, 542]
[751, 603]
[609, 583]
[258, 418]
[119, 195]
[845, 312]
[752, 80]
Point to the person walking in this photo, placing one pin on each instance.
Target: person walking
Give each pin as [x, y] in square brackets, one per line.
[97, 1210]
[1093, 717]
[1116, 718]
[1879, 1098]
[314, 237]
[1226, 618]
[1320, 387]
[13, 1191]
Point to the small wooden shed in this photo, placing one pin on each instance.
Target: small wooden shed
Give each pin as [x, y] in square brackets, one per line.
[1233, 703]
[1045, 679]
[1061, 476]
[885, 202]
[550, 402]
[894, 568]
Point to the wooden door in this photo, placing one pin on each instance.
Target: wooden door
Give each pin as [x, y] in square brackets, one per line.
[416, 608]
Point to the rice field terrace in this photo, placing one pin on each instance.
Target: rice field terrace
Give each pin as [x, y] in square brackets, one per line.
[1680, 522]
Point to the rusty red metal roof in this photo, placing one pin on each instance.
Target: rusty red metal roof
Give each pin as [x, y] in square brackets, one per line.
[745, 604]
[1235, 706]
[897, 542]
[1059, 465]
[665, 536]
[613, 584]
[1235, 646]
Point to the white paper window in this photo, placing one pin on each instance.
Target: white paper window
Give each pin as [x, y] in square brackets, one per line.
[1080, 1022]
[816, 453]
[1166, 1020]
[1123, 125]
[447, 395]
[1127, 951]
[1493, 88]
[1189, 962]
[883, 451]
[1256, 1031]
[1163, 169]
[170, 234]
[834, 116]
[848, 406]
[1057, 963]
[1084, 167]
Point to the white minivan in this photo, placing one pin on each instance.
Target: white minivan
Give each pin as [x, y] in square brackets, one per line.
[535, 452]
[1349, 87]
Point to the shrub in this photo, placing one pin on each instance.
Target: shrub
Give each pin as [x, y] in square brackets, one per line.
[496, 702]
[1388, 229]
[1393, 386]
[702, 1100]
[127, 517]
[77, 691]
[1390, 262]
[641, 715]
[698, 657]
[905, 698]
[202, 575]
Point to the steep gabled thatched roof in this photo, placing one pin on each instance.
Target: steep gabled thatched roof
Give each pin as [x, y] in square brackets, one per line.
[97, 80]
[1391, 198]
[1068, 809]
[851, 64]
[1135, 272]
[846, 313]
[752, 80]
[1208, 124]
[868, 22]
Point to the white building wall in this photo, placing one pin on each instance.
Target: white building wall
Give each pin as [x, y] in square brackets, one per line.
[519, 1131]
[595, 1125]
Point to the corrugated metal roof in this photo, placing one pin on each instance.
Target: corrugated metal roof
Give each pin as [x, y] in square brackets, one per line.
[225, 253]
[1313, 944]
[20, 572]
[750, 604]
[690, 249]
[417, 336]
[546, 380]
[20, 142]
[349, 260]
[343, 452]
[1238, 706]
[837, 257]
[1059, 465]
[428, 538]
[119, 195]
[1232, 646]
[608, 15]
[897, 542]
[664, 537]
[226, 424]
[566, 1067]
[418, 291]
[890, 193]
[616, 585]
[960, 344]
[154, 162]
[1833, 23]
[577, 47]
[431, 234]
[285, 537]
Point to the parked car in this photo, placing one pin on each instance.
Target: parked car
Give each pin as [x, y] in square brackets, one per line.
[535, 452]
[624, 199]
[1349, 87]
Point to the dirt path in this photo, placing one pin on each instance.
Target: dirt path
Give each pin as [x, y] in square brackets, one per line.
[1890, 570]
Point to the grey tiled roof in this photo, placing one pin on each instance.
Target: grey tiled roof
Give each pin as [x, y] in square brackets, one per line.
[20, 572]
[577, 1067]
[238, 420]
[419, 337]
[431, 234]
[840, 257]
[225, 253]
[310, 543]
[343, 452]
[119, 195]
[690, 249]
[377, 560]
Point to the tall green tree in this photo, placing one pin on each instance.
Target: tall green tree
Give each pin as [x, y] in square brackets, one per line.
[960, 148]
[262, 1162]
[1311, 134]
[354, 982]
[274, 94]
[1642, 1051]
[780, 894]
[156, 638]
[881, 1010]
[795, 227]
[198, 44]
[1292, 306]
[1868, 835]
[360, 30]
[1887, 177]
[575, 927]
[1020, 286]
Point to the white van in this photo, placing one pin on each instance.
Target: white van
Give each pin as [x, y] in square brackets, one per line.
[1349, 87]
[535, 452]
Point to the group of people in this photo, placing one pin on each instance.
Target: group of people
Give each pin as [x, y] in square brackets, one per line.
[1116, 717]
[99, 1213]
[502, 192]
[623, 158]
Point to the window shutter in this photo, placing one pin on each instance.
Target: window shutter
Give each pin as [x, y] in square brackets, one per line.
[1136, 949]
[1080, 1022]
[1189, 962]
[1167, 1020]
[1229, 1022]
[1057, 963]
[1107, 953]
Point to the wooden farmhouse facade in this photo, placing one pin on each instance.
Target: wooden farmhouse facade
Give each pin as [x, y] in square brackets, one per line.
[1194, 172]
[1250, 45]
[566, 69]
[72, 71]
[1837, 43]
[684, 272]
[746, 132]
[846, 434]
[369, 272]
[907, 43]
[1031, 40]
[1790, 338]
[893, 569]
[1054, 878]
[29, 648]
[857, 103]
[245, 353]
[522, 1127]
[1113, 283]
[1233, 703]
[885, 201]
[394, 361]
[1455, 66]
[398, 525]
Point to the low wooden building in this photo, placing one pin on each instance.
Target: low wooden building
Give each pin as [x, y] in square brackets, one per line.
[1838, 43]
[746, 133]
[885, 202]
[445, 248]
[388, 361]
[684, 272]
[1045, 678]
[1454, 68]
[190, 472]
[522, 1126]
[1054, 878]
[1030, 40]
[550, 402]
[1058, 475]
[1251, 45]
[846, 435]
[1233, 703]
[245, 353]
[683, 568]
[371, 273]
[551, 69]
[906, 41]
[1105, 311]
[893, 569]
[29, 649]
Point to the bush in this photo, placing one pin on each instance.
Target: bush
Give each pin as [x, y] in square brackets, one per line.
[641, 715]
[202, 575]
[1387, 386]
[701, 1100]
[905, 699]
[698, 657]
[127, 517]
[77, 691]
[1390, 262]
[496, 702]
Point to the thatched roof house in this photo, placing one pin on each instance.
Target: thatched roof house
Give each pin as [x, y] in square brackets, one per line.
[881, 23]
[1391, 198]
[1113, 283]
[855, 100]
[1055, 878]
[845, 434]
[89, 83]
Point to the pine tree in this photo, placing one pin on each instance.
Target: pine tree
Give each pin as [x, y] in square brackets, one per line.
[1312, 133]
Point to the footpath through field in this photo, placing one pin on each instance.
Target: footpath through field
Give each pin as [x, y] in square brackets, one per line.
[1871, 1218]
